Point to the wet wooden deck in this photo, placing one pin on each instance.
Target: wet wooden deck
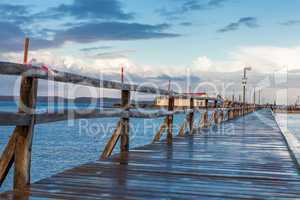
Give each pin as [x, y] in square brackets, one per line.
[246, 158]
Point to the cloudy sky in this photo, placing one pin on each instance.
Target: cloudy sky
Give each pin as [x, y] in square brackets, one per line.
[159, 39]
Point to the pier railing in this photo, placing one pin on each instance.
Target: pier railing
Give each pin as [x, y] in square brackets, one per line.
[19, 147]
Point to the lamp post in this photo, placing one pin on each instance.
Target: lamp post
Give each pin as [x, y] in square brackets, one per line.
[254, 97]
[244, 82]
[259, 93]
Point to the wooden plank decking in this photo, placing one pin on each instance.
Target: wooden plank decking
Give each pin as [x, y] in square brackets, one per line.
[248, 159]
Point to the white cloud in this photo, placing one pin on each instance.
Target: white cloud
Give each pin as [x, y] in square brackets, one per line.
[93, 64]
[203, 63]
[79, 63]
[264, 59]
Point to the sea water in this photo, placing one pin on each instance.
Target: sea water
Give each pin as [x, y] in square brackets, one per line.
[289, 121]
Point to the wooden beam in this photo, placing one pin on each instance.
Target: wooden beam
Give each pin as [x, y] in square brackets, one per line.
[7, 157]
[215, 117]
[7, 68]
[201, 122]
[112, 142]
[182, 128]
[90, 114]
[160, 131]
[71, 114]
[204, 123]
[151, 114]
[125, 121]
[23, 119]
[14, 119]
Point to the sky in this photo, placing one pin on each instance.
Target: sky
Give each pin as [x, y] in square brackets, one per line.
[158, 39]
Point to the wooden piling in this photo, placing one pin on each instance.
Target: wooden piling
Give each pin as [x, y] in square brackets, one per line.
[125, 104]
[206, 104]
[170, 120]
[191, 115]
[25, 135]
[22, 156]
[230, 114]
[221, 117]
[215, 117]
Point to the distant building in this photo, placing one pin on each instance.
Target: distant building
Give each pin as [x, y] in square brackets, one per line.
[183, 100]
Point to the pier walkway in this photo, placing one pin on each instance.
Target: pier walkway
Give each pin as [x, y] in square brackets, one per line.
[245, 158]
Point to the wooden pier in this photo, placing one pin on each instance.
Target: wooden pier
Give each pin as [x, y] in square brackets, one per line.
[245, 158]
[235, 151]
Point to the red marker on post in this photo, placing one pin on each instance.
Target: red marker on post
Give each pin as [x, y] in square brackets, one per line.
[29, 64]
[26, 46]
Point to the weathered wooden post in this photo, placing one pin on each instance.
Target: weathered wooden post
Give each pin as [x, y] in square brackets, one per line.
[215, 116]
[191, 115]
[231, 113]
[221, 113]
[204, 119]
[125, 104]
[206, 105]
[170, 119]
[235, 111]
[23, 147]
[221, 117]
